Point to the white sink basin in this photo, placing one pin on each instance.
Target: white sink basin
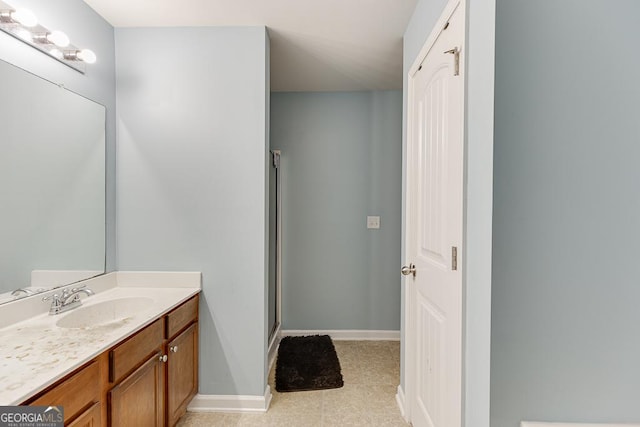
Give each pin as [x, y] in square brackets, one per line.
[107, 313]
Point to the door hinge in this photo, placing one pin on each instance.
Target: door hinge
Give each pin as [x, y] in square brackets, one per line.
[454, 258]
[456, 60]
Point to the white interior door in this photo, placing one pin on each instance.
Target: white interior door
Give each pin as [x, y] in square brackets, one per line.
[435, 158]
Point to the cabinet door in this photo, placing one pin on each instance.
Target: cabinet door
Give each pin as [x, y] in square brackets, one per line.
[75, 392]
[89, 418]
[139, 399]
[182, 373]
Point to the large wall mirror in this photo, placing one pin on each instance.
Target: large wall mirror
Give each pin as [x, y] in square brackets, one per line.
[52, 185]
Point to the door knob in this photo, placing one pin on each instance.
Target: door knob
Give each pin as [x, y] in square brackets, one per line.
[409, 269]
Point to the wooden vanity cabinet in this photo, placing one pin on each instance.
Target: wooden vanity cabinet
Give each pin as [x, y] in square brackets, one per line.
[158, 391]
[78, 393]
[146, 380]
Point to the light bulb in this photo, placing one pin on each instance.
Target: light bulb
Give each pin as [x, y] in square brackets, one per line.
[25, 17]
[58, 38]
[24, 34]
[56, 53]
[87, 56]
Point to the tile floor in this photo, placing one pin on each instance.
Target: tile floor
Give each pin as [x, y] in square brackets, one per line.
[371, 372]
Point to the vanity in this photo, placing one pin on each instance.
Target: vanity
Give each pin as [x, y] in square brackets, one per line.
[128, 356]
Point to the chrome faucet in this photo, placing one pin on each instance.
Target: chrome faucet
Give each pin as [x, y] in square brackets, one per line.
[68, 300]
[26, 292]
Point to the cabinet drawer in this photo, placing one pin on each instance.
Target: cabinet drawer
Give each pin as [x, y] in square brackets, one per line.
[130, 354]
[74, 393]
[89, 418]
[182, 316]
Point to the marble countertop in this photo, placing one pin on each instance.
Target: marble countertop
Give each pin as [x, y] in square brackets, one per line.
[35, 353]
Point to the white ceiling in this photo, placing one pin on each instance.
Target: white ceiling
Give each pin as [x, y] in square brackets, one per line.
[316, 45]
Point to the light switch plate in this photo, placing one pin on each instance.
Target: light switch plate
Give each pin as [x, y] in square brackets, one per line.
[373, 222]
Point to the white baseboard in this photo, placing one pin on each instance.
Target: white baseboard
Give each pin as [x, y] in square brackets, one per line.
[230, 403]
[400, 402]
[347, 335]
[538, 424]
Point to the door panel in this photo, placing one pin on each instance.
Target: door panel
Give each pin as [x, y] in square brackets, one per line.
[430, 373]
[432, 169]
[434, 207]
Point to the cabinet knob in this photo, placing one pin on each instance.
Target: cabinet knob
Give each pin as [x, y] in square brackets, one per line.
[174, 348]
[163, 358]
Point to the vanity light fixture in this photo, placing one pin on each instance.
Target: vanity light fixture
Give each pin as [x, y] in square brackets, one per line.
[56, 53]
[24, 17]
[23, 25]
[57, 38]
[85, 55]
[24, 35]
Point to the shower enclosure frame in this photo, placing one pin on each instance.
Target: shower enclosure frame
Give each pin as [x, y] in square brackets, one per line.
[276, 157]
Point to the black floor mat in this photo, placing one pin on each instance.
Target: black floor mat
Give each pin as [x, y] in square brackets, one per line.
[307, 363]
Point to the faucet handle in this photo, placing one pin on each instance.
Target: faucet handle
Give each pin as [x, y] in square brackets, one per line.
[78, 288]
[55, 299]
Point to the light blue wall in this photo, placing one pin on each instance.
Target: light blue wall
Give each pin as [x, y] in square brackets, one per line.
[420, 25]
[479, 61]
[341, 161]
[565, 320]
[87, 29]
[192, 157]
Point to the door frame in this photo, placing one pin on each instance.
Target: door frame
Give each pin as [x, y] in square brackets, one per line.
[409, 291]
